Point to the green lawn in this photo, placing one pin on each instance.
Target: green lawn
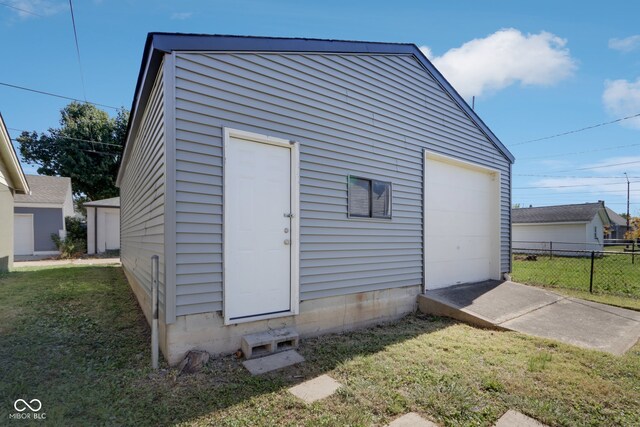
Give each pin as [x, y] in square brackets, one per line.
[613, 274]
[75, 339]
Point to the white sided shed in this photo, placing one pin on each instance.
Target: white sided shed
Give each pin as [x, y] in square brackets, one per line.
[567, 228]
[103, 225]
[316, 184]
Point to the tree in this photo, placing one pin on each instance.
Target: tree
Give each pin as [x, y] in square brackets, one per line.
[634, 232]
[86, 148]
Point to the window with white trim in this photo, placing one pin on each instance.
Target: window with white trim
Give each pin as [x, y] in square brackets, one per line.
[369, 198]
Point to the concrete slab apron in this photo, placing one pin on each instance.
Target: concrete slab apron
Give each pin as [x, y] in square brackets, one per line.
[593, 326]
[542, 313]
[495, 301]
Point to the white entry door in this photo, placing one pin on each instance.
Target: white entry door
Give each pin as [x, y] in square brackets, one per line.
[462, 223]
[23, 234]
[258, 229]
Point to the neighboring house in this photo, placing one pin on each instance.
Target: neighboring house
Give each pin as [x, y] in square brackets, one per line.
[12, 182]
[618, 227]
[314, 184]
[40, 214]
[570, 227]
[103, 225]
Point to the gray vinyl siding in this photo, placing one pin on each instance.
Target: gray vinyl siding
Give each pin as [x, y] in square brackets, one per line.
[365, 115]
[142, 196]
[46, 221]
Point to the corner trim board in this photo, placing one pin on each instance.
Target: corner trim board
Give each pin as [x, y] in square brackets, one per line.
[170, 257]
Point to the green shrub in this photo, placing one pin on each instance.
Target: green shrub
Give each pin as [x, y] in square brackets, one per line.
[68, 247]
[76, 228]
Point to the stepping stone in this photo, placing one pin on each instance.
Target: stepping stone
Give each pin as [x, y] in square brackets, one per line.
[273, 362]
[315, 389]
[516, 419]
[411, 420]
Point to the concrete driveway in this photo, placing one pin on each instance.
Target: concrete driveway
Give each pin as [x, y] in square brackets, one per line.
[534, 311]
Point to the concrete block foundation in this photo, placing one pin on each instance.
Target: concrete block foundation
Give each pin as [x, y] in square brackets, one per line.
[208, 332]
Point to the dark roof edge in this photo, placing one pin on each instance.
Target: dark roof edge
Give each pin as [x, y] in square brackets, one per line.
[158, 43]
[558, 206]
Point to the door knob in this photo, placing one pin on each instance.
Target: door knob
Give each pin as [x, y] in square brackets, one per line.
[286, 241]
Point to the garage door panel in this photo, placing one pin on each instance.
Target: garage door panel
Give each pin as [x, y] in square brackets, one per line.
[23, 241]
[461, 231]
[472, 270]
[458, 249]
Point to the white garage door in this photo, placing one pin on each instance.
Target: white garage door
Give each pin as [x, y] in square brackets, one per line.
[112, 229]
[23, 234]
[461, 223]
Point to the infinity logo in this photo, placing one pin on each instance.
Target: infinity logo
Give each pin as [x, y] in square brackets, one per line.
[21, 405]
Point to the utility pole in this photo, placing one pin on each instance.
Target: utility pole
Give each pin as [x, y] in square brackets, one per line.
[627, 176]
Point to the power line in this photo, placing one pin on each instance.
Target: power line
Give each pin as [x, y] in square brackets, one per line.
[566, 186]
[565, 193]
[56, 95]
[76, 139]
[607, 204]
[576, 130]
[599, 167]
[75, 35]
[20, 9]
[579, 152]
[88, 151]
[572, 176]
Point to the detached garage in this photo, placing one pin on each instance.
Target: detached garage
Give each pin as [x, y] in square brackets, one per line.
[103, 225]
[312, 184]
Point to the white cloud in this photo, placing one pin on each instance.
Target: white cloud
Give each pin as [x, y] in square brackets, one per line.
[504, 58]
[625, 45]
[426, 50]
[34, 8]
[181, 16]
[621, 98]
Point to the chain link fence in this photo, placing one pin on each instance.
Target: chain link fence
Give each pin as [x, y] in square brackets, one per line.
[553, 264]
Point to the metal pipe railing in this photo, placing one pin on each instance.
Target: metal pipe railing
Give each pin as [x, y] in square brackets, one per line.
[155, 262]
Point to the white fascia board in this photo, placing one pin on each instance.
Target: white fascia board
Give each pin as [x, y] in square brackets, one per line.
[8, 155]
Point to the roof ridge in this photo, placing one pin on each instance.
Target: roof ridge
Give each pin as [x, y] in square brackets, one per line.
[554, 206]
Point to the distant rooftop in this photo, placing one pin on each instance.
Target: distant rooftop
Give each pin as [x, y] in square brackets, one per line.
[113, 202]
[584, 212]
[45, 189]
[615, 218]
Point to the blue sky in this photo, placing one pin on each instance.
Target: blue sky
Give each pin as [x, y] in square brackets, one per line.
[537, 68]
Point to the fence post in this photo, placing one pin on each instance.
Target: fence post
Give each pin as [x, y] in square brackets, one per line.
[550, 250]
[593, 256]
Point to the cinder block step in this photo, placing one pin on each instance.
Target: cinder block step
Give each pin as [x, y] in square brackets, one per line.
[263, 343]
